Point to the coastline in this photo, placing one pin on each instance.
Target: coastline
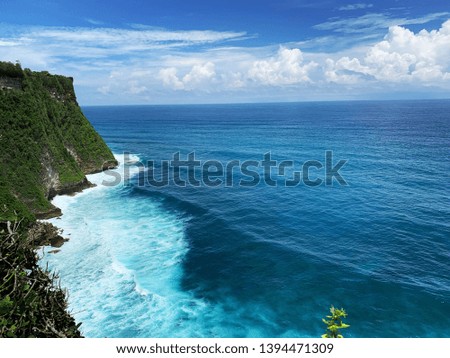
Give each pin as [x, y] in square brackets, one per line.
[124, 257]
[62, 204]
[62, 201]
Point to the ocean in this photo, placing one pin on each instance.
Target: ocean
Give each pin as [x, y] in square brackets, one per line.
[258, 253]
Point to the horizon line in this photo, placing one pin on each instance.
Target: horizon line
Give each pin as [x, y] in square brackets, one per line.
[268, 102]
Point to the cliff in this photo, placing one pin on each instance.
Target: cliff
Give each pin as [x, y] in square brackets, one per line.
[47, 147]
[47, 144]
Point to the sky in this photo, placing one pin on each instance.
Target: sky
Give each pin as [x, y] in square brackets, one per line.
[174, 51]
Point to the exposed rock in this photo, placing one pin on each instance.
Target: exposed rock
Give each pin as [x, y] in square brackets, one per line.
[9, 83]
[54, 212]
[45, 234]
[43, 125]
[57, 241]
[69, 189]
[74, 154]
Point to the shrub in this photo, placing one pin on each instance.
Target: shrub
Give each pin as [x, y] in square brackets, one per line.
[334, 323]
[31, 302]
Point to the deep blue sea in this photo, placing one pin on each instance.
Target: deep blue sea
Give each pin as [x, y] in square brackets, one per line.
[266, 260]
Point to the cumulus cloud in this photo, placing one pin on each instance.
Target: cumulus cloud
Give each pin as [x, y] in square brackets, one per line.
[337, 71]
[199, 74]
[403, 56]
[196, 78]
[170, 79]
[284, 69]
[156, 65]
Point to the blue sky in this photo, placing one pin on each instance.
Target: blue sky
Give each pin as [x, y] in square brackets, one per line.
[170, 51]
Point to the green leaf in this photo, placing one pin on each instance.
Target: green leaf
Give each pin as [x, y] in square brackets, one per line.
[334, 324]
[6, 305]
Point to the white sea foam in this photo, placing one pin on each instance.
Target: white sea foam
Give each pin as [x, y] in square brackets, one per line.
[123, 267]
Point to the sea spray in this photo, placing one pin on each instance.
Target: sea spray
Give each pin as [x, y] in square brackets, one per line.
[123, 257]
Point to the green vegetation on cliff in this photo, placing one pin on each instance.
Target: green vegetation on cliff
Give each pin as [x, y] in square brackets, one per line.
[47, 144]
[46, 148]
[31, 303]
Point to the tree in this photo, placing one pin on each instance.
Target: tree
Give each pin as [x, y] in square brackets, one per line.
[334, 323]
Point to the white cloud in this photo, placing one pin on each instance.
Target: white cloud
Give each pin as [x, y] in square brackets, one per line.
[284, 69]
[198, 75]
[152, 65]
[113, 37]
[196, 78]
[6, 43]
[135, 88]
[374, 22]
[236, 69]
[338, 71]
[402, 56]
[100, 42]
[170, 79]
[233, 80]
[358, 6]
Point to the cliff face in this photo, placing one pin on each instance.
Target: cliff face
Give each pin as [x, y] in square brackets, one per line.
[47, 144]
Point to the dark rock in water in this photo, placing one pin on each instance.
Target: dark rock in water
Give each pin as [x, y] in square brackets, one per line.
[45, 234]
[54, 251]
[57, 241]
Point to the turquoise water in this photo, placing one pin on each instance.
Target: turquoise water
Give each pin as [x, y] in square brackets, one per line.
[266, 261]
